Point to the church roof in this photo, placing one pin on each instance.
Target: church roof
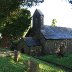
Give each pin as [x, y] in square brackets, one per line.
[50, 32]
[38, 12]
[31, 42]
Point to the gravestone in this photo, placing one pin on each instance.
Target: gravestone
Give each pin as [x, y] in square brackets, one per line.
[16, 55]
[33, 66]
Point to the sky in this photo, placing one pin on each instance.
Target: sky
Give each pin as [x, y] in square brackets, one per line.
[55, 9]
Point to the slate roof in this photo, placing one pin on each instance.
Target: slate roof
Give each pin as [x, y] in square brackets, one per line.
[31, 42]
[50, 32]
[38, 12]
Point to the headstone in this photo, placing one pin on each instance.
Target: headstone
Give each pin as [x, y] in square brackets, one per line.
[16, 55]
[8, 53]
[32, 66]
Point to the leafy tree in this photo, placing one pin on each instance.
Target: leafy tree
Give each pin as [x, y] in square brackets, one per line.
[9, 10]
[8, 6]
[16, 24]
[54, 21]
[13, 20]
[70, 1]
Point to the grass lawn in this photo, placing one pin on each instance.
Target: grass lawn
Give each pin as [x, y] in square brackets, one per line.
[7, 64]
[65, 61]
[43, 66]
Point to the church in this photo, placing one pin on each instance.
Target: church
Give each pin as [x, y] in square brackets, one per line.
[44, 39]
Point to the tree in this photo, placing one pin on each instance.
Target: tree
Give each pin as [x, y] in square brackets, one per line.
[8, 6]
[54, 21]
[70, 1]
[13, 20]
[16, 24]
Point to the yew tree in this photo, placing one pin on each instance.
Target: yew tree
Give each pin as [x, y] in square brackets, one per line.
[14, 20]
[8, 6]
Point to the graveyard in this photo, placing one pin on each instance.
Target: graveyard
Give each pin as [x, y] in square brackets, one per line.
[35, 42]
[7, 63]
[48, 43]
[43, 49]
[27, 63]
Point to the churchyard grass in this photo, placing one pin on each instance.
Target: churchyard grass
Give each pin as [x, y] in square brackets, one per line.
[66, 60]
[7, 64]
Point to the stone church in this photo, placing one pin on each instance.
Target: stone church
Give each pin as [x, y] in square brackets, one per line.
[46, 39]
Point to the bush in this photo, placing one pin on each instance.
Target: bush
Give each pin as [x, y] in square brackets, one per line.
[14, 45]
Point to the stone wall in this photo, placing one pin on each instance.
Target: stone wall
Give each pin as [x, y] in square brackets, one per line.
[43, 42]
[30, 50]
[35, 50]
[51, 46]
[69, 45]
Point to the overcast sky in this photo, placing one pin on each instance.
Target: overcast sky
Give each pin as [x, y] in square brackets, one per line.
[55, 9]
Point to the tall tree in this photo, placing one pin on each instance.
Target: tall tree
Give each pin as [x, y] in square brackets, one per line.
[16, 24]
[7, 6]
[70, 1]
[13, 20]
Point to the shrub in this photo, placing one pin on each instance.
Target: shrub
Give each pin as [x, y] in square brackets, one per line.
[14, 45]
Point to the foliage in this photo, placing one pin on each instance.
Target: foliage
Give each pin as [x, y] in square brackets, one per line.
[54, 21]
[8, 6]
[70, 1]
[14, 21]
[15, 25]
[12, 18]
[14, 45]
